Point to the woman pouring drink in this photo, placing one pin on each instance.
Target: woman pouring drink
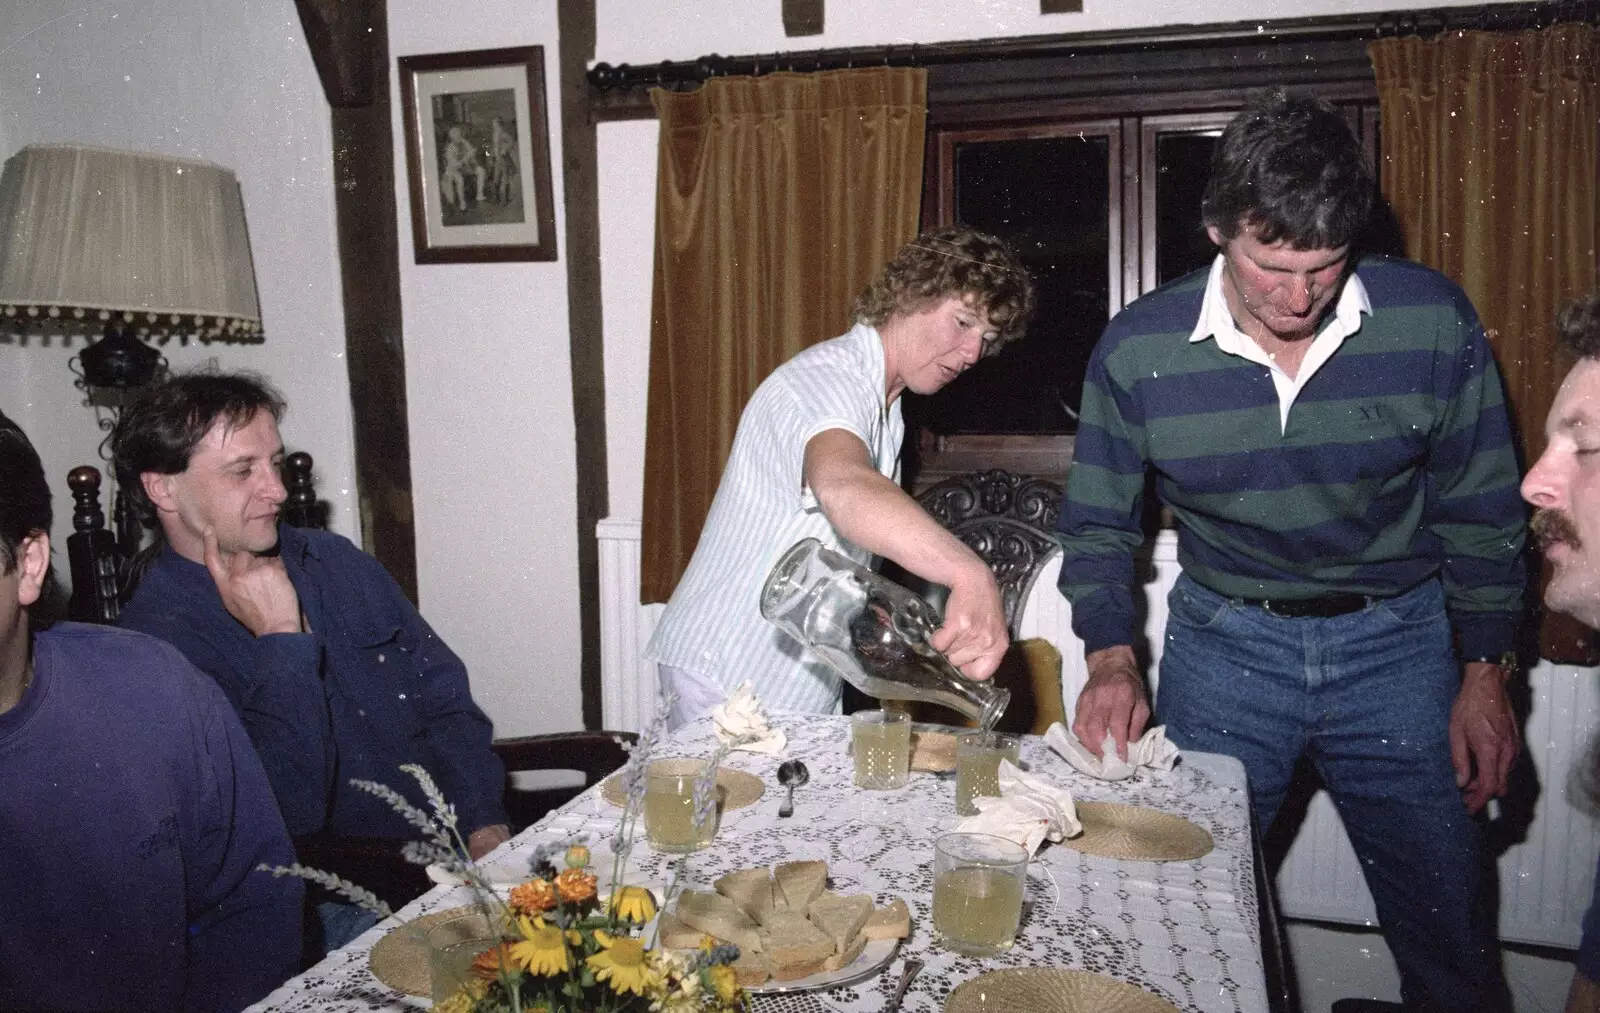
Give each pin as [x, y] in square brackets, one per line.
[817, 455]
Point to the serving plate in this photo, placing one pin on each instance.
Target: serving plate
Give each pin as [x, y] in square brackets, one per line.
[873, 960]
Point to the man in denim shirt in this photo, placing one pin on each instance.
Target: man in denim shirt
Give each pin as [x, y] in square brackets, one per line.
[331, 669]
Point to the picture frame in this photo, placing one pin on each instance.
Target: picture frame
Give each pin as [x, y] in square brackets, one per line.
[478, 156]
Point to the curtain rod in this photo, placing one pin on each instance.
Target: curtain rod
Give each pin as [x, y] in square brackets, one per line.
[604, 77]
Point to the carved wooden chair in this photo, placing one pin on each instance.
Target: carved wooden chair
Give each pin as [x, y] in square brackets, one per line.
[1008, 520]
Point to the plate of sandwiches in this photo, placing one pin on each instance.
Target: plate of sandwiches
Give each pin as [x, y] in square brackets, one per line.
[793, 933]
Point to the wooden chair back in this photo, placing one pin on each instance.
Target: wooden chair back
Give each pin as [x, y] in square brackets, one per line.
[592, 754]
[92, 553]
[1008, 520]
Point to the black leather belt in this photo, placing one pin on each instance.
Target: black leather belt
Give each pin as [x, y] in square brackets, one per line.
[1325, 607]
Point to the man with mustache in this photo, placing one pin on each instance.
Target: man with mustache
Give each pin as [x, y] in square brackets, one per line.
[1329, 432]
[1564, 484]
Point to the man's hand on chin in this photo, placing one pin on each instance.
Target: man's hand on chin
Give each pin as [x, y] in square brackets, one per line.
[255, 590]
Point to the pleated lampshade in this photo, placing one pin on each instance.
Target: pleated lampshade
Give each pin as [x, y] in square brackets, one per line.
[93, 236]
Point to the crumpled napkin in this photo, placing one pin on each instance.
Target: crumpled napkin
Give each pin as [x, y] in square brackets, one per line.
[1152, 750]
[1028, 811]
[741, 717]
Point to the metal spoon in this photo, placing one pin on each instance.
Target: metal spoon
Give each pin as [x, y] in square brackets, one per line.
[791, 774]
[909, 971]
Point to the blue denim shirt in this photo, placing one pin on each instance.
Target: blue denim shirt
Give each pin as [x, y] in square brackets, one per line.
[369, 688]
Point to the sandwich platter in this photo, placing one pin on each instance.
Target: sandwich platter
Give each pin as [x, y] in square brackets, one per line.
[873, 960]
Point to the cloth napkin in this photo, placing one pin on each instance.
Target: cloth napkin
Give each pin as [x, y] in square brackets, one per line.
[1152, 750]
[1029, 810]
[741, 717]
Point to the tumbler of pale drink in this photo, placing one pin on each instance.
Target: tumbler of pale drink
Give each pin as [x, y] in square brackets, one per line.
[881, 743]
[670, 820]
[978, 757]
[978, 883]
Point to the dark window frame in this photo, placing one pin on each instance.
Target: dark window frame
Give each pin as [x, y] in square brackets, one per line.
[1140, 93]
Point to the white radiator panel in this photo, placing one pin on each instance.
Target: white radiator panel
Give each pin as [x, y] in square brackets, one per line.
[628, 687]
[1546, 880]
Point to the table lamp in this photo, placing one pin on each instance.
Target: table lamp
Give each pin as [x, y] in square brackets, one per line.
[127, 247]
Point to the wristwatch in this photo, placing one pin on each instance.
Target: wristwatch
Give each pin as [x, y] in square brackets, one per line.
[1507, 661]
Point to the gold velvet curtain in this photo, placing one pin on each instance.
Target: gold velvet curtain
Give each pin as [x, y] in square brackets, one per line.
[1488, 144]
[777, 199]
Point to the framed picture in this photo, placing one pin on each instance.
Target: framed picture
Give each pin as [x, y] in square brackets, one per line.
[478, 154]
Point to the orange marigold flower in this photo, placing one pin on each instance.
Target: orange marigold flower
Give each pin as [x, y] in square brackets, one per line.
[534, 897]
[575, 886]
[491, 962]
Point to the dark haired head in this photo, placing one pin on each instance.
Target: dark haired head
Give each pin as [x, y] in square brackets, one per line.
[1289, 168]
[1578, 327]
[952, 262]
[159, 432]
[24, 493]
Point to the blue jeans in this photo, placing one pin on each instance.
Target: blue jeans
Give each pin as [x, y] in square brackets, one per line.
[1367, 697]
[341, 922]
[1587, 962]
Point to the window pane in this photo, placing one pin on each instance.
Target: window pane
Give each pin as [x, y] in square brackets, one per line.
[1049, 198]
[1183, 164]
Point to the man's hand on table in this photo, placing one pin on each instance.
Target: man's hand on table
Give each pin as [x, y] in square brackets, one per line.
[1113, 699]
[1483, 734]
[974, 634]
[485, 839]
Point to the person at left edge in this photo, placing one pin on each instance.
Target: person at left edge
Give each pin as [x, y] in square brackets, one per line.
[134, 811]
[332, 670]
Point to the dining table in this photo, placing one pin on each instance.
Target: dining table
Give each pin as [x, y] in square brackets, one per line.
[1188, 931]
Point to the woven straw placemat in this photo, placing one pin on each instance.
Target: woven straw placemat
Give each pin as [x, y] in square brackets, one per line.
[933, 751]
[1051, 990]
[1137, 833]
[738, 789]
[400, 959]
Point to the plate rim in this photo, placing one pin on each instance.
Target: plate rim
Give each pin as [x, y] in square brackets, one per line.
[849, 974]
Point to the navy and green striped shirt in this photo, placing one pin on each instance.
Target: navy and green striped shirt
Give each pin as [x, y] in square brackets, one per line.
[1396, 464]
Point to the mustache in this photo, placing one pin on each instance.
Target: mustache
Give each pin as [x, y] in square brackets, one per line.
[1552, 527]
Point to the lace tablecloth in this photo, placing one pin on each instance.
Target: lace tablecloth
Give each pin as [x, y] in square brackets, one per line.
[1187, 931]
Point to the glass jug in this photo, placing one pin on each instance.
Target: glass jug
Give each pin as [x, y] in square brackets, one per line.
[872, 631]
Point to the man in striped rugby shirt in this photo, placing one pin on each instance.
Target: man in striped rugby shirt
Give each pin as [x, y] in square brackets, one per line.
[1329, 433]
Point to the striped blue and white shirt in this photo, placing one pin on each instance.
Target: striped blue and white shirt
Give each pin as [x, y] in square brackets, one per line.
[713, 626]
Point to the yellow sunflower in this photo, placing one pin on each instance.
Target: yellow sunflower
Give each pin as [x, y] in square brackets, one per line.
[542, 949]
[575, 886]
[723, 981]
[634, 904]
[534, 897]
[621, 961]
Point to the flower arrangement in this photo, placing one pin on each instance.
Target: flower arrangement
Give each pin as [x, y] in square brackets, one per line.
[564, 948]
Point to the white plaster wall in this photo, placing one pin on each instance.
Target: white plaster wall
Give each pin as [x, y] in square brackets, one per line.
[627, 181]
[638, 33]
[493, 462]
[231, 82]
